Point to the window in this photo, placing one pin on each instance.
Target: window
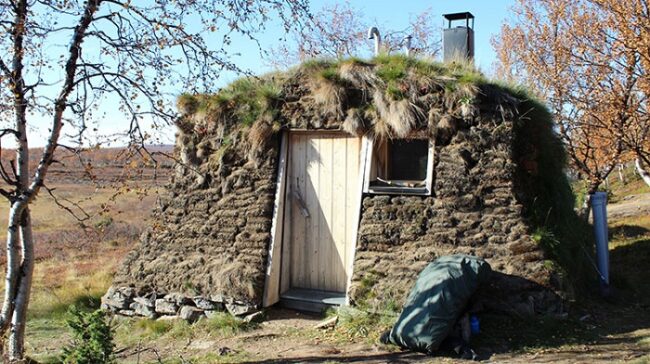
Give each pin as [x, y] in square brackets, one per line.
[399, 166]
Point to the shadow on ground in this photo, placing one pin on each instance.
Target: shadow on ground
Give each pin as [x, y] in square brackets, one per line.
[595, 321]
[397, 358]
[280, 314]
[627, 231]
[630, 272]
[596, 329]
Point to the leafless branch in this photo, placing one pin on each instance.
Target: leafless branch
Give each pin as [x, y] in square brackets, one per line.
[66, 204]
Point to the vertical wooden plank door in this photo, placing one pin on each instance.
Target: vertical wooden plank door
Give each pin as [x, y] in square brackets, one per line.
[322, 187]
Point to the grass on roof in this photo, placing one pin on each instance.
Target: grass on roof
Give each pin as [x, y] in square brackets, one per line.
[249, 97]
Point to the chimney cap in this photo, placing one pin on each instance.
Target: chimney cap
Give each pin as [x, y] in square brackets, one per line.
[459, 16]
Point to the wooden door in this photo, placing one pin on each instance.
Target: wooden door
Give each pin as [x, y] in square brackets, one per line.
[320, 216]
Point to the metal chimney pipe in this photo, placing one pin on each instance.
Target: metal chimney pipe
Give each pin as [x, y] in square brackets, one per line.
[373, 33]
[407, 45]
[458, 42]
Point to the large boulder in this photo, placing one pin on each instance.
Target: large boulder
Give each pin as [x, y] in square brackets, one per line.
[190, 313]
[143, 310]
[240, 308]
[165, 307]
[117, 299]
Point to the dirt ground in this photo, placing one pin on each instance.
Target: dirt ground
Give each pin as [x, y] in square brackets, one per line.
[630, 206]
[286, 336]
[289, 337]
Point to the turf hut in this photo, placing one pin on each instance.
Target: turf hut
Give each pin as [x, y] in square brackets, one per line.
[337, 182]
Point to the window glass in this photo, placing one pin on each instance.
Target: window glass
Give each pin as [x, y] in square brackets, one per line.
[399, 166]
[408, 159]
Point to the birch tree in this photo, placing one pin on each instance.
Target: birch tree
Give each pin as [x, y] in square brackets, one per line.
[630, 24]
[63, 61]
[574, 54]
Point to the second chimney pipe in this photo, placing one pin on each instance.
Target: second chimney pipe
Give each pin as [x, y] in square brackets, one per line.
[458, 42]
[373, 33]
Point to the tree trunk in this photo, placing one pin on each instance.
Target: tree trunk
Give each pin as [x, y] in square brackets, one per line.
[13, 266]
[640, 168]
[585, 210]
[621, 174]
[19, 319]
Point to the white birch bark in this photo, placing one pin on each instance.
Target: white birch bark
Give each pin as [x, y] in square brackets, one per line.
[640, 168]
[19, 319]
[18, 204]
[621, 174]
[13, 265]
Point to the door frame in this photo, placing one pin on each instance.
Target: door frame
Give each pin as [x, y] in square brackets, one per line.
[271, 293]
[275, 284]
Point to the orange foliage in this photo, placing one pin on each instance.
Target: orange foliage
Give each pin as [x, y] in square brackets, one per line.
[586, 59]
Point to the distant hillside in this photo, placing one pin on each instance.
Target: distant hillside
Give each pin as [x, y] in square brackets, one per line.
[103, 166]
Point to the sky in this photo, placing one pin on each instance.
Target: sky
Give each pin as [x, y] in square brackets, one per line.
[385, 14]
[394, 14]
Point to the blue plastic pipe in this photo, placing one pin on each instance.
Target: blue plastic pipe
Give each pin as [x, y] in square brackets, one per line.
[599, 206]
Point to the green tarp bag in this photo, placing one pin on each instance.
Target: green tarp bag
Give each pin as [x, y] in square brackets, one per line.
[437, 300]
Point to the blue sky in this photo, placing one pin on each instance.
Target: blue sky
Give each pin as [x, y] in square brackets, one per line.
[385, 14]
[391, 14]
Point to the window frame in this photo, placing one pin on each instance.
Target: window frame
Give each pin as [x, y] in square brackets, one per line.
[368, 148]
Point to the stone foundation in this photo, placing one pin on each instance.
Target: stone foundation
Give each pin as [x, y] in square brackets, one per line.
[123, 301]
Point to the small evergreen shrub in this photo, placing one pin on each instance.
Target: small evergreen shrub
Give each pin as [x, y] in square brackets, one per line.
[92, 338]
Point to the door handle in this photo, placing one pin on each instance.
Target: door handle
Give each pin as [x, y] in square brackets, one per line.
[301, 203]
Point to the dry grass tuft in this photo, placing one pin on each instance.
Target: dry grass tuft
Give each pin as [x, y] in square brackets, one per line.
[423, 83]
[237, 279]
[468, 110]
[380, 103]
[460, 94]
[353, 123]
[260, 134]
[380, 128]
[360, 74]
[329, 94]
[435, 115]
[401, 116]
[445, 128]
